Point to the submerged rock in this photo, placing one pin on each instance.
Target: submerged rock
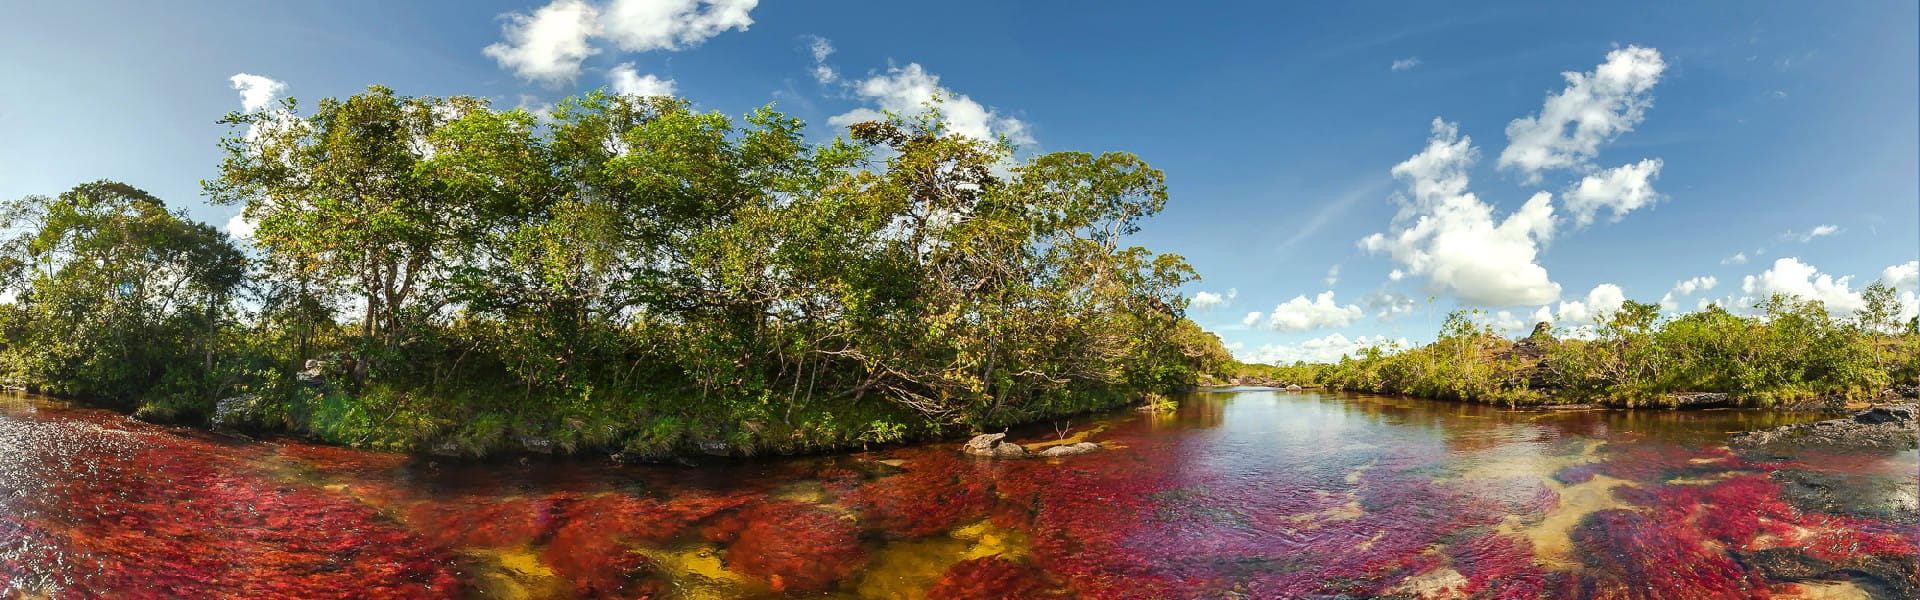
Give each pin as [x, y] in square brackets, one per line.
[1071, 450]
[1889, 499]
[994, 445]
[1882, 575]
[1885, 427]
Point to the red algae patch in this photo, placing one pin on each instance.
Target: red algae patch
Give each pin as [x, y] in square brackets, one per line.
[159, 515]
[789, 545]
[938, 491]
[993, 578]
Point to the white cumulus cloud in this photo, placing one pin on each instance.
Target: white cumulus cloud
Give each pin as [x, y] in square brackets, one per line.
[1600, 302]
[628, 81]
[1902, 276]
[1697, 284]
[907, 90]
[1406, 63]
[1207, 301]
[1300, 313]
[240, 227]
[643, 25]
[1671, 301]
[1327, 349]
[1738, 258]
[1794, 278]
[256, 92]
[1447, 234]
[549, 44]
[1594, 108]
[1250, 319]
[1619, 190]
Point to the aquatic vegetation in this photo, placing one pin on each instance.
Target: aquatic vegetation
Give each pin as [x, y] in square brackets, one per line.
[1632, 555]
[992, 578]
[789, 545]
[168, 515]
[599, 545]
[486, 523]
[941, 489]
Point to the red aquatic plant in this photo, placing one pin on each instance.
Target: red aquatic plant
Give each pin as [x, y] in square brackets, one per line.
[486, 522]
[109, 519]
[937, 492]
[1632, 555]
[993, 578]
[595, 544]
[792, 546]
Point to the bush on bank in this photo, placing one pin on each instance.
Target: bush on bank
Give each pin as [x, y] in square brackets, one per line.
[1790, 350]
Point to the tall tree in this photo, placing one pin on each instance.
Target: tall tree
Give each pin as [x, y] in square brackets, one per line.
[118, 297]
[342, 199]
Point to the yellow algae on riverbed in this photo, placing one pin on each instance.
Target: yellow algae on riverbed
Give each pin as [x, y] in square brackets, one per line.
[1444, 582]
[1077, 437]
[1552, 535]
[515, 573]
[906, 569]
[697, 571]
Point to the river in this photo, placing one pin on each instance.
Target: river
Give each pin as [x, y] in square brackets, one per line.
[1240, 494]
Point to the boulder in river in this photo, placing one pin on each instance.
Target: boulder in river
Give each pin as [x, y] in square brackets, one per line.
[994, 445]
[1071, 450]
[1885, 427]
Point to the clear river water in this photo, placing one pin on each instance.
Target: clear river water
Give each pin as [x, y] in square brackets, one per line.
[1237, 494]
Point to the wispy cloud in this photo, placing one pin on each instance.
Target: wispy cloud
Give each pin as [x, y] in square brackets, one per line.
[1371, 188]
[1406, 63]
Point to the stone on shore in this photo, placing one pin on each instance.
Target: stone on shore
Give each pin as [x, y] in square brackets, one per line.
[1886, 427]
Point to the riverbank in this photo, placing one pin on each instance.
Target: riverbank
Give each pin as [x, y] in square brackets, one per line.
[1786, 354]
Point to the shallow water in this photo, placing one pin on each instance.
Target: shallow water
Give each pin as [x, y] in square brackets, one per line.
[1248, 494]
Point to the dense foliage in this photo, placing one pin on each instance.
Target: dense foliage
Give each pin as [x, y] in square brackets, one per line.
[627, 273]
[1792, 350]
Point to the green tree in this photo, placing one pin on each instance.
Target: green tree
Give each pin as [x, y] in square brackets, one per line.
[119, 298]
[344, 203]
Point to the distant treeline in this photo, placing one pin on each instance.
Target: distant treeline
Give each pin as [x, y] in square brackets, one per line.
[624, 274]
[1792, 350]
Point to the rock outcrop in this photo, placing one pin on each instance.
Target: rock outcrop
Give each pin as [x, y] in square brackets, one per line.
[236, 413]
[994, 445]
[1886, 427]
[1071, 450]
[1880, 575]
[1698, 399]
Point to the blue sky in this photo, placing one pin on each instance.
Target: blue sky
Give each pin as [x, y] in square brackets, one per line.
[1696, 131]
